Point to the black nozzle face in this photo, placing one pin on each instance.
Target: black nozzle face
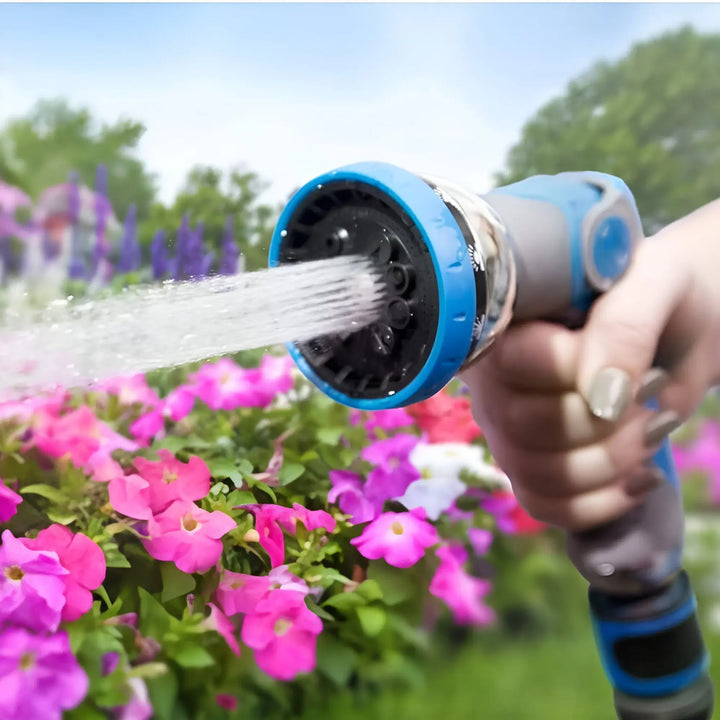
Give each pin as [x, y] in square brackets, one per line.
[348, 217]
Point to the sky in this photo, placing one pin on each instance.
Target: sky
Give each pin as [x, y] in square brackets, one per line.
[293, 90]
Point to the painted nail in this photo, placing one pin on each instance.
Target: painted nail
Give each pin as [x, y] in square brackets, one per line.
[609, 394]
[641, 484]
[660, 426]
[653, 383]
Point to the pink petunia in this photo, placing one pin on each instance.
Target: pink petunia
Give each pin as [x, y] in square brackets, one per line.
[138, 706]
[149, 425]
[283, 633]
[78, 435]
[219, 622]
[391, 419]
[461, 592]
[158, 484]
[178, 403]
[81, 557]
[102, 468]
[480, 539]
[240, 593]
[129, 390]
[394, 471]
[39, 676]
[32, 587]
[188, 536]
[226, 701]
[399, 538]
[348, 490]
[9, 501]
[702, 454]
[271, 519]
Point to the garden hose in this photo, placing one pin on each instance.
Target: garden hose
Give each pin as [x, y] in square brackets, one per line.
[459, 268]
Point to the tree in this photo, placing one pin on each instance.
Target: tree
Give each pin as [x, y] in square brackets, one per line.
[210, 198]
[40, 149]
[652, 118]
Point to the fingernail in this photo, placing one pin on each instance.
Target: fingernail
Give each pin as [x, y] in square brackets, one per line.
[641, 484]
[609, 394]
[660, 426]
[653, 383]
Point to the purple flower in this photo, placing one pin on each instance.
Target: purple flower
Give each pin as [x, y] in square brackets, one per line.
[39, 676]
[32, 588]
[230, 253]
[138, 706]
[394, 471]
[703, 455]
[130, 253]
[159, 255]
[109, 663]
[349, 493]
[9, 500]
[196, 261]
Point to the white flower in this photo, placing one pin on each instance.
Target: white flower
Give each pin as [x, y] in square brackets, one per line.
[440, 465]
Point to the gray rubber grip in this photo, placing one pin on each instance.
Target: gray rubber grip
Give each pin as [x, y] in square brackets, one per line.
[695, 702]
[638, 551]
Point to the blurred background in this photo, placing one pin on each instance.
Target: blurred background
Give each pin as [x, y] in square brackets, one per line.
[144, 141]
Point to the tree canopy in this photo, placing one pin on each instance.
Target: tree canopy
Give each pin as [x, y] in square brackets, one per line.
[651, 118]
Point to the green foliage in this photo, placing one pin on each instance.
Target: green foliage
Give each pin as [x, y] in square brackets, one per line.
[652, 118]
[40, 149]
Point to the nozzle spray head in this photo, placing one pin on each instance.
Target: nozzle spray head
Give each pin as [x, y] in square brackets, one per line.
[449, 280]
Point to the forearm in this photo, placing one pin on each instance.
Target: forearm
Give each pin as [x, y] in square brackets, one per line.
[696, 240]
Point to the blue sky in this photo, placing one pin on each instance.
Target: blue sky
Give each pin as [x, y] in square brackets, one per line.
[292, 90]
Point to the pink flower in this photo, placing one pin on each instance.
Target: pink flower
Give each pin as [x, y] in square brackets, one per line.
[219, 622]
[394, 471]
[138, 706]
[461, 592]
[9, 500]
[102, 468]
[348, 490]
[270, 519]
[81, 557]
[704, 455]
[226, 702]
[39, 676]
[32, 586]
[188, 536]
[389, 419]
[276, 374]
[23, 410]
[78, 435]
[158, 484]
[480, 539]
[178, 404]
[283, 633]
[148, 426]
[241, 593]
[130, 390]
[509, 515]
[400, 538]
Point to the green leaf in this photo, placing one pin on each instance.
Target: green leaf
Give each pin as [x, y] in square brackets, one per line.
[245, 466]
[175, 582]
[345, 601]
[190, 655]
[113, 557]
[330, 435]
[290, 471]
[370, 590]
[395, 586]
[163, 695]
[372, 619]
[224, 467]
[240, 497]
[154, 619]
[335, 659]
[62, 518]
[46, 491]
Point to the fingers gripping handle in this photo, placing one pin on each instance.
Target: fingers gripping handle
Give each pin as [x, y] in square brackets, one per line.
[572, 237]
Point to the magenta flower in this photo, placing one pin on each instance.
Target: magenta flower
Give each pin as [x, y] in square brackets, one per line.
[169, 479]
[32, 587]
[226, 702]
[276, 374]
[219, 622]
[399, 538]
[188, 536]
[130, 495]
[109, 663]
[241, 593]
[394, 471]
[348, 490]
[391, 419]
[78, 435]
[480, 539]
[149, 425]
[178, 404]
[39, 676]
[102, 468]
[9, 500]
[138, 706]
[81, 557]
[461, 592]
[271, 519]
[703, 455]
[130, 390]
[283, 633]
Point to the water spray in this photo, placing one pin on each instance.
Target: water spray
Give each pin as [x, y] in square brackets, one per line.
[458, 269]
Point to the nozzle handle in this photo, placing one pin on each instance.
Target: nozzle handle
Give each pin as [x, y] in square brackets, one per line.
[572, 237]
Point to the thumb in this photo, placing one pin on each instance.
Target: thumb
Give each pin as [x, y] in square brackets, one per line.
[621, 336]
